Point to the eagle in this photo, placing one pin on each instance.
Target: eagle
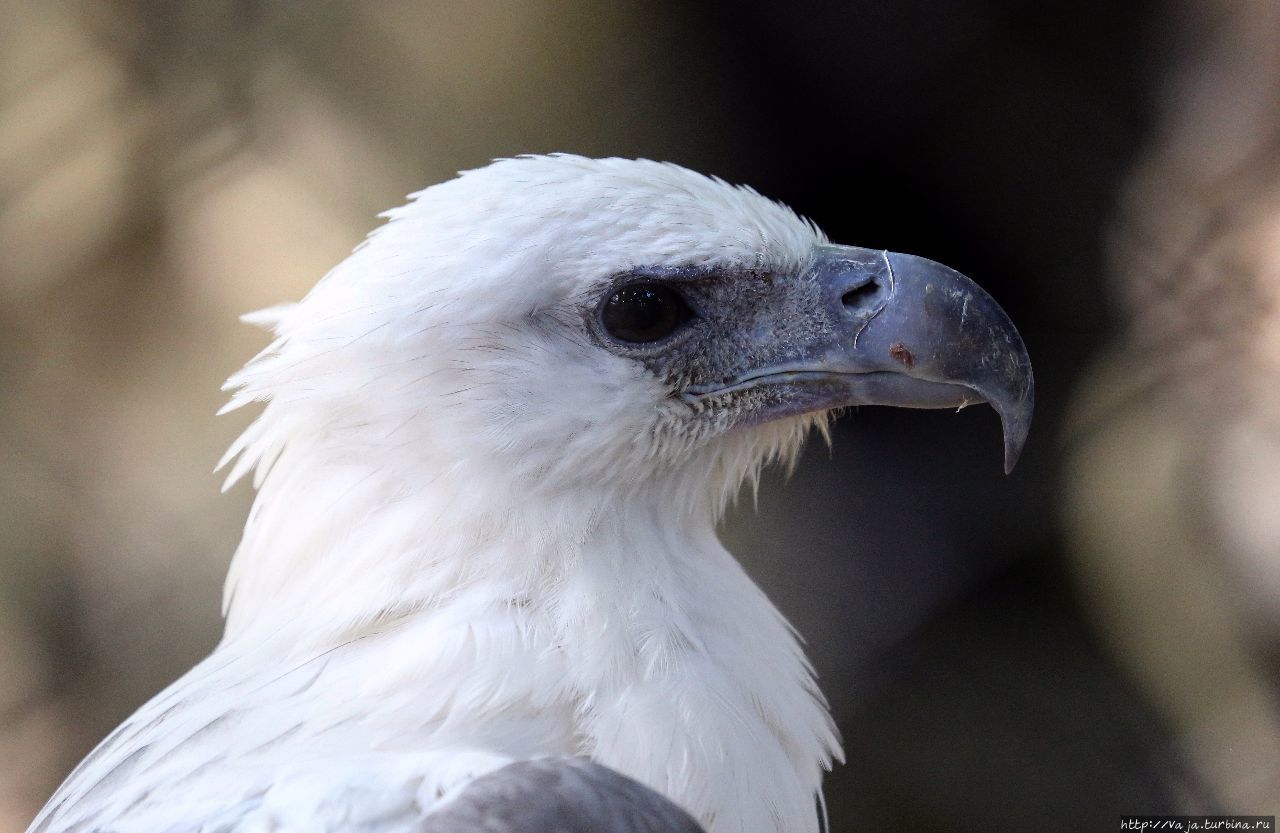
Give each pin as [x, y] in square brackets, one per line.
[480, 586]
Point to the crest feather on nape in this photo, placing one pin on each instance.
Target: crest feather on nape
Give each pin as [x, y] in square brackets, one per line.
[260, 444]
[269, 318]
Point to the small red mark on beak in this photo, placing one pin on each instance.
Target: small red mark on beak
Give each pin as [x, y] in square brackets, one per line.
[900, 352]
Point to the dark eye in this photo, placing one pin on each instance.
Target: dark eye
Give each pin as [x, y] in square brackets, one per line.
[644, 312]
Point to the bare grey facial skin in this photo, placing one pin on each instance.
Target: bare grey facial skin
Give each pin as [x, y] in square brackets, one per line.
[854, 327]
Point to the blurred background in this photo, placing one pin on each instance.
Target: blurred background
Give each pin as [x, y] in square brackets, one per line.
[1096, 635]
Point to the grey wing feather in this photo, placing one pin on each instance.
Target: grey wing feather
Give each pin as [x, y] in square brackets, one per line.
[558, 795]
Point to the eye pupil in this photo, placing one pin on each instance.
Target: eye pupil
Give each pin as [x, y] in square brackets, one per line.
[644, 312]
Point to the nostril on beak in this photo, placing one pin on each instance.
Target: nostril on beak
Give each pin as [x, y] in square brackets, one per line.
[861, 294]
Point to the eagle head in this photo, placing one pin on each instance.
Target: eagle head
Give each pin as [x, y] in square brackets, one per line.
[558, 322]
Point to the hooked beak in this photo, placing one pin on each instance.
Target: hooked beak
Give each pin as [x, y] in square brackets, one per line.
[901, 330]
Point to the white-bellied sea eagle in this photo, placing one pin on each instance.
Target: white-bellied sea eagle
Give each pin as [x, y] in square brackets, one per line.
[480, 587]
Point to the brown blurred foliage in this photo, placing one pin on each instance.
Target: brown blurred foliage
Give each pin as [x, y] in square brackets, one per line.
[1174, 464]
[167, 166]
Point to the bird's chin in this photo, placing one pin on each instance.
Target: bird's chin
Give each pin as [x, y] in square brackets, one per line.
[776, 396]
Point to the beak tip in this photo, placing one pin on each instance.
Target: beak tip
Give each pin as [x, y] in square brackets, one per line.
[1016, 422]
[1010, 458]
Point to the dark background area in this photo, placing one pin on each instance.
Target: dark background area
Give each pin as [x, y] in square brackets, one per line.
[1091, 636]
[992, 137]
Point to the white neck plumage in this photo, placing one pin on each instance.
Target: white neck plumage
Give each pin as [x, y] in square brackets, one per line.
[637, 626]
